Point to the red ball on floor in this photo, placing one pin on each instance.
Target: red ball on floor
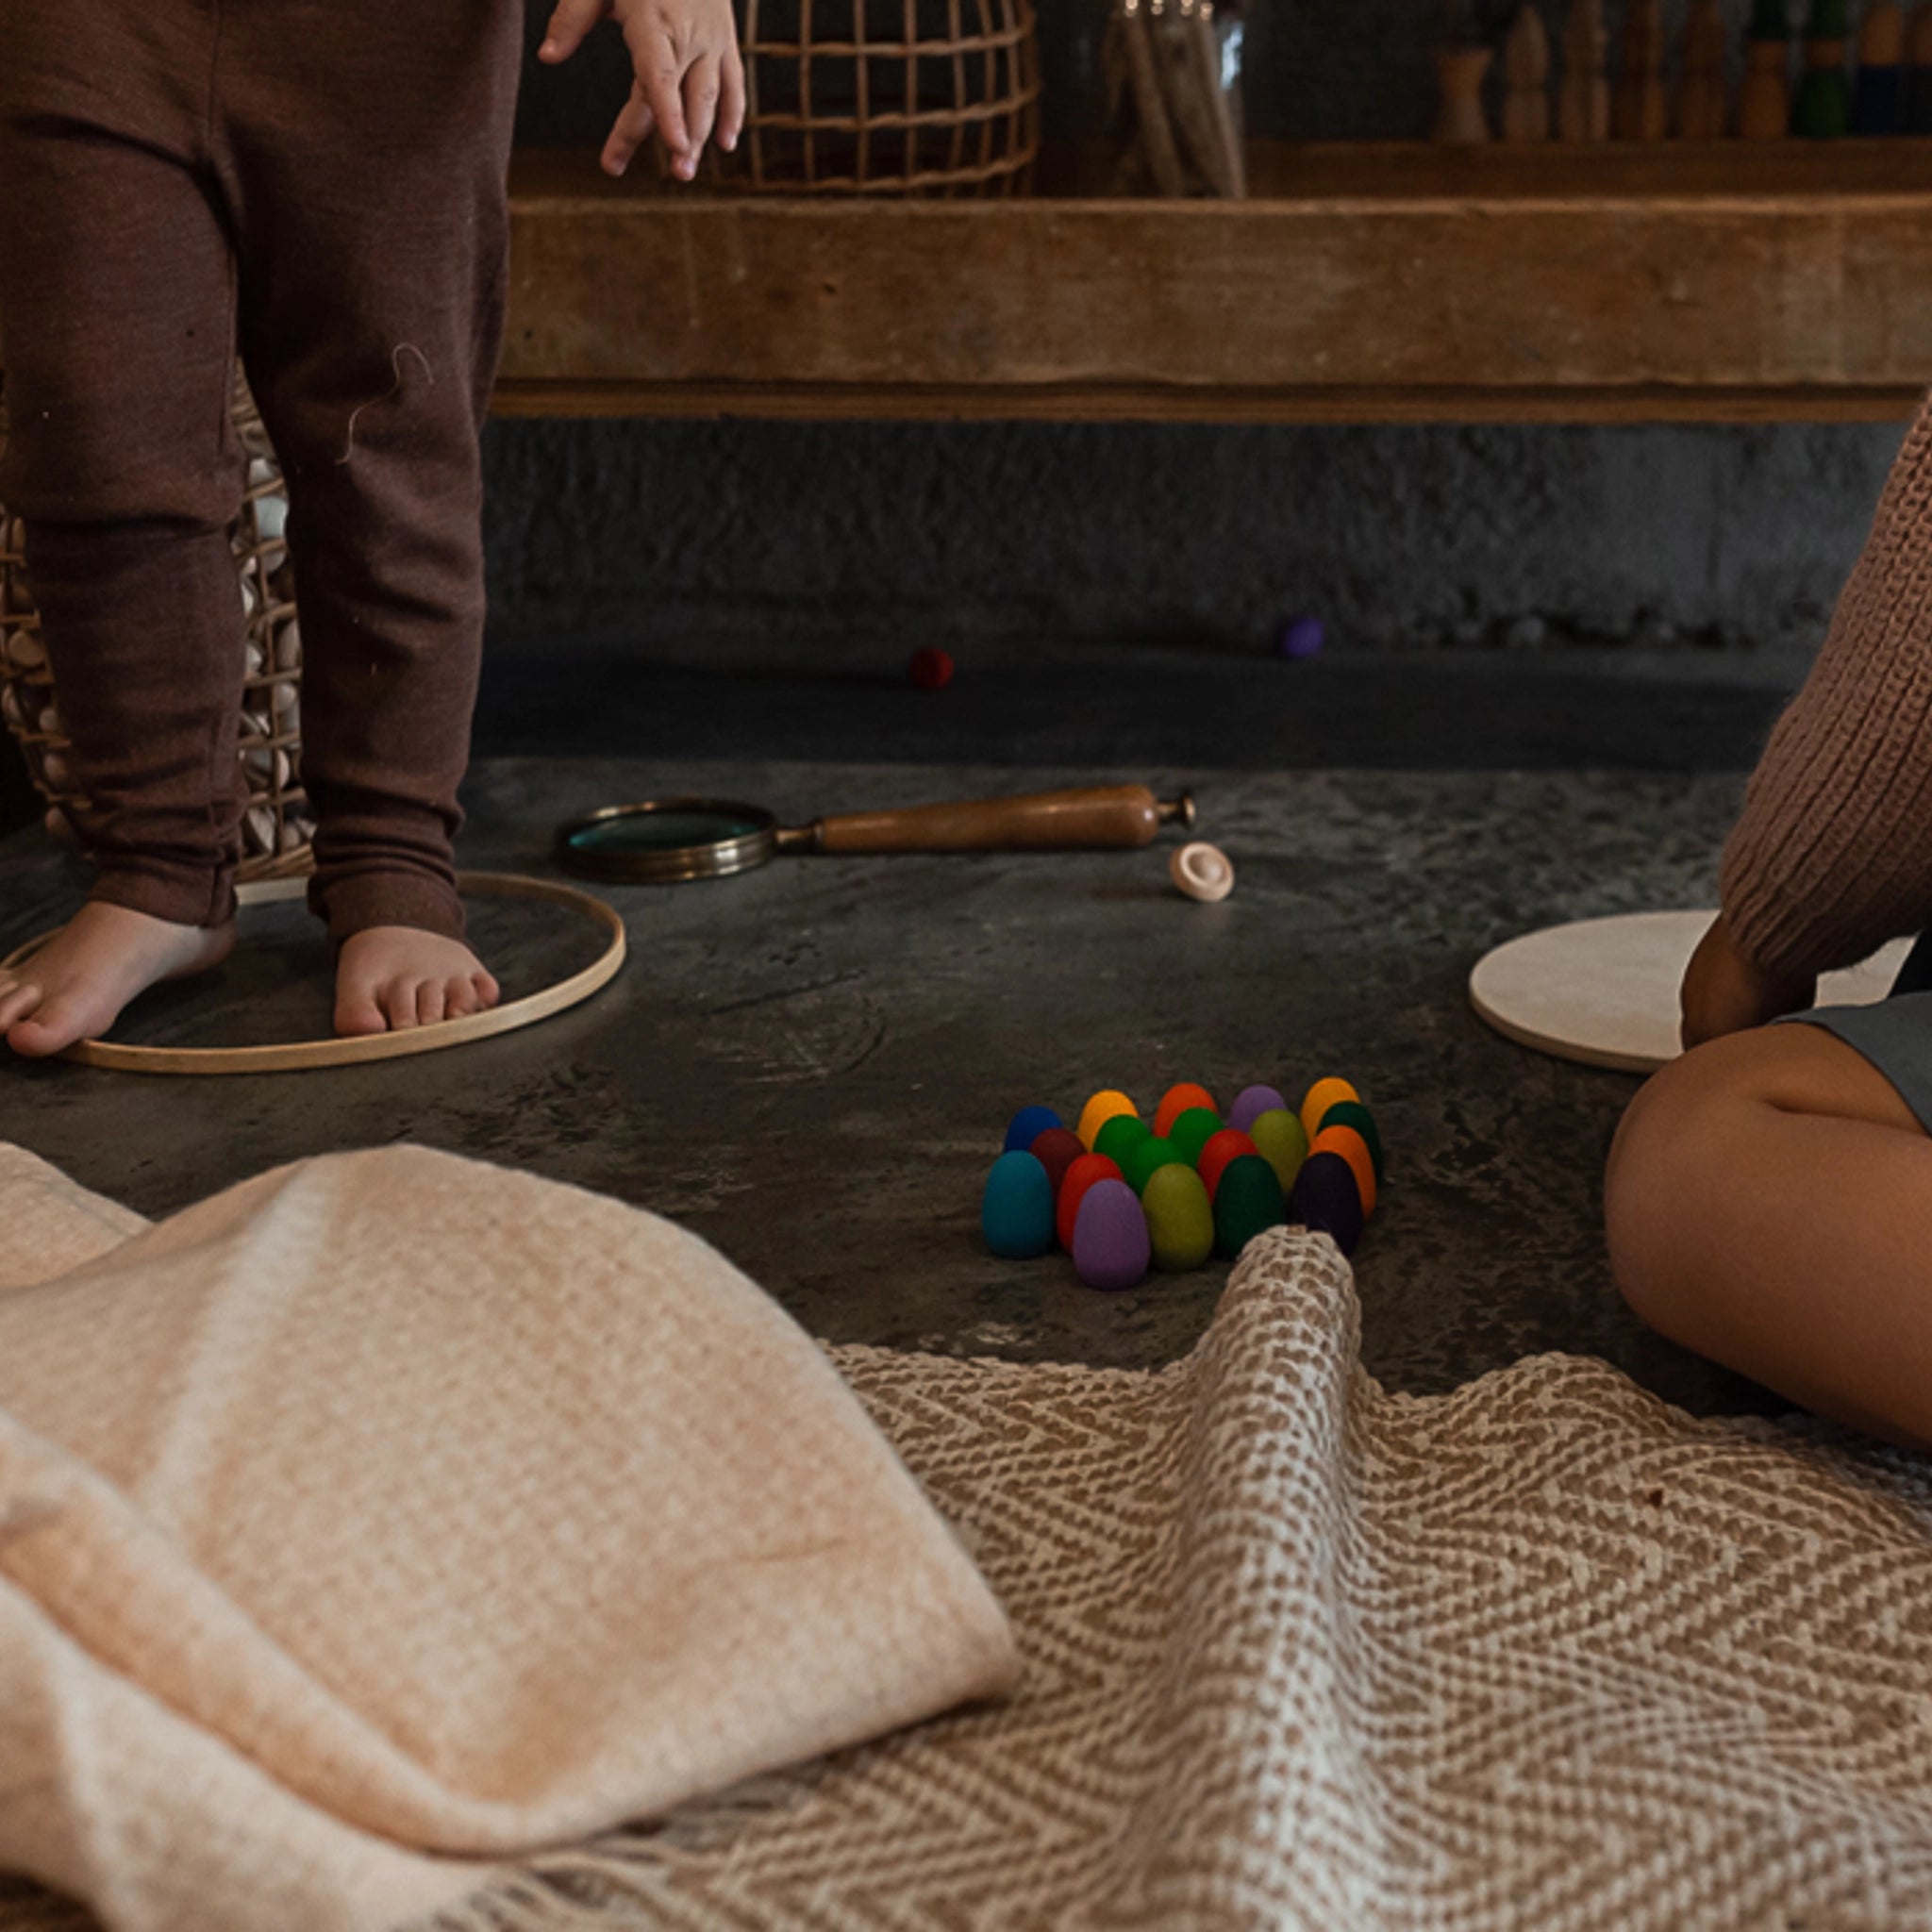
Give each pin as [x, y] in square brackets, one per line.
[930, 667]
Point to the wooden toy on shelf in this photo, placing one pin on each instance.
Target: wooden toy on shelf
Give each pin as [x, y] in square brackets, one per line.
[1583, 104]
[1878, 103]
[1764, 106]
[1703, 111]
[1918, 78]
[1463, 65]
[1822, 110]
[1639, 113]
[1526, 74]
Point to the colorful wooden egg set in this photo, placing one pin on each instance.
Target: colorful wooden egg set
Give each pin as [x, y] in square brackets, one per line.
[1121, 1197]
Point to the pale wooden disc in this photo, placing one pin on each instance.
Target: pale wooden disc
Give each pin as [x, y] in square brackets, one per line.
[301, 1056]
[1605, 990]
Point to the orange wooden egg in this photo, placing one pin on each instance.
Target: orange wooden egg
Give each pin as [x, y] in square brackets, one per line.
[1176, 1101]
[1319, 1099]
[1347, 1142]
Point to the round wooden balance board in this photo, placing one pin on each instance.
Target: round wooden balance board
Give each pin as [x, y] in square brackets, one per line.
[1605, 990]
[297, 1055]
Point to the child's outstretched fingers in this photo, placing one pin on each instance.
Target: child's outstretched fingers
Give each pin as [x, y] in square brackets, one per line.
[659, 70]
[731, 101]
[568, 25]
[631, 132]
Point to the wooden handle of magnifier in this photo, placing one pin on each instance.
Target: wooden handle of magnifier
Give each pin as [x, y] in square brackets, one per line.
[1106, 815]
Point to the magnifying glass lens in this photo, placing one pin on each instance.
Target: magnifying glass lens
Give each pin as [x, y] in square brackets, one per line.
[662, 831]
[665, 841]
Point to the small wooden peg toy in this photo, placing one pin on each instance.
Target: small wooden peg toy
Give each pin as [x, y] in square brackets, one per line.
[1878, 103]
[1703, 101]
[1918, 114]
[1822, 110]
[1583, 102]
[1639, 113]
[1527, 73]
[1463, 65]
[1764, 106]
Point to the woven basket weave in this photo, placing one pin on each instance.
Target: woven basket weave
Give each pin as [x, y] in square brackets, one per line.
[890, 97]
[275, 827]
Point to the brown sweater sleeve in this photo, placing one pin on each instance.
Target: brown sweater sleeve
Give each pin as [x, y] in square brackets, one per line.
[1832, 855]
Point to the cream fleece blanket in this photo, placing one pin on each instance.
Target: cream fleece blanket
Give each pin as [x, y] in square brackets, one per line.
[1301, 1655]
[390, 1517]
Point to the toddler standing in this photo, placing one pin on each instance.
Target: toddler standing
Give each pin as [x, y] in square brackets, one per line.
[318, 185]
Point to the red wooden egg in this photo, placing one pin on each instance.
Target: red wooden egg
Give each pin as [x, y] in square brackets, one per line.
[1229, 1145]
[1074, 1185]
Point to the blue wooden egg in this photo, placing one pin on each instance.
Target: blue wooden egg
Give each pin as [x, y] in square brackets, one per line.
[1016, 1211]
[1325, 1197]
[1111, 1246]
[1027, 1125]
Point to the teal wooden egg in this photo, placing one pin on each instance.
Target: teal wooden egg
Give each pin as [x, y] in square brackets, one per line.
[1016, 1211]
[1248, 1201]
[1180, 1221]
[1193, 1130]
[1282, 1142]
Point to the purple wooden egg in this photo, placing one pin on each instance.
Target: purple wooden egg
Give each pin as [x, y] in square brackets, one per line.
[1250, 1104]
[1325, 1197]
[1111, 1247]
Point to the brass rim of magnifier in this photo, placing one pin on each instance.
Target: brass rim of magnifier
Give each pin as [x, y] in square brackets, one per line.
[676, 864]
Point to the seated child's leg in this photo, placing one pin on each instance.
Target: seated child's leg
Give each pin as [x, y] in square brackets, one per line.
[1769, 1204]
[117, 287]
[373, 239]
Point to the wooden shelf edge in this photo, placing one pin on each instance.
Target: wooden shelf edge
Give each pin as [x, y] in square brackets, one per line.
[1179, 404]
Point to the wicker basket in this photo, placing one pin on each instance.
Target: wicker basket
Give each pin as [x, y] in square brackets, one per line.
[890, 97]
[275, 827]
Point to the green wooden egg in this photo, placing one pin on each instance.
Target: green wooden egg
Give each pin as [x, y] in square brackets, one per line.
[1282, 1142]
[1120, 1136]
[1146, 1157]
[1179, 1220]
[1351, 1114]
[1248, 1201]
[1193, 1130]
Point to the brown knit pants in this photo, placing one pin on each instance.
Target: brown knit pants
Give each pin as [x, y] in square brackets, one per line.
[320, 184]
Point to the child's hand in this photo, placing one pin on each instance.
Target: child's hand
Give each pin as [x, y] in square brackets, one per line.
[689, 79]
[1724, 992]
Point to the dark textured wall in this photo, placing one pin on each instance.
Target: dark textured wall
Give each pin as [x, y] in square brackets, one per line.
[654, 532]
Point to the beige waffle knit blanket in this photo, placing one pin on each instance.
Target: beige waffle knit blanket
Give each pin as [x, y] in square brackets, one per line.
[1299, 1654]
[390, 1517]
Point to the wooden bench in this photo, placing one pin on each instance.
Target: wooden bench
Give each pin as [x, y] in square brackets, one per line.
[1722, 282]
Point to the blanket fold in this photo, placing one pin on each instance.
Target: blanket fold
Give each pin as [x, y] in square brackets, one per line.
[390, 1506]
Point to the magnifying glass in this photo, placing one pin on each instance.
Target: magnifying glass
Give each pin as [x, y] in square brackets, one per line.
[671, 840]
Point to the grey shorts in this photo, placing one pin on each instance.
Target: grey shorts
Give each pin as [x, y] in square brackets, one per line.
[1895, 1035]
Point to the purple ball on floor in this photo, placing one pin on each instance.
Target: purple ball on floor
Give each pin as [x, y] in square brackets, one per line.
[1304, 637]
[1326, 1198]
[1112, 1245]
[1250, 1103]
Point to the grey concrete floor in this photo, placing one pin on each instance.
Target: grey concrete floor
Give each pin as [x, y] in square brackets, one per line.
[813, 1066]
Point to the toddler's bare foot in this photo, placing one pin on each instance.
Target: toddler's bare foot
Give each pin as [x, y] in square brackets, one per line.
[392, 977]
[74, 987]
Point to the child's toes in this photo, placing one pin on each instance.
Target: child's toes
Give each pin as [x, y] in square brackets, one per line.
[488, 991]
[356, 1011]
[50, 1028]
[398, 1002]
[17, 1000]
[430, 1003]
[460, 1000]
